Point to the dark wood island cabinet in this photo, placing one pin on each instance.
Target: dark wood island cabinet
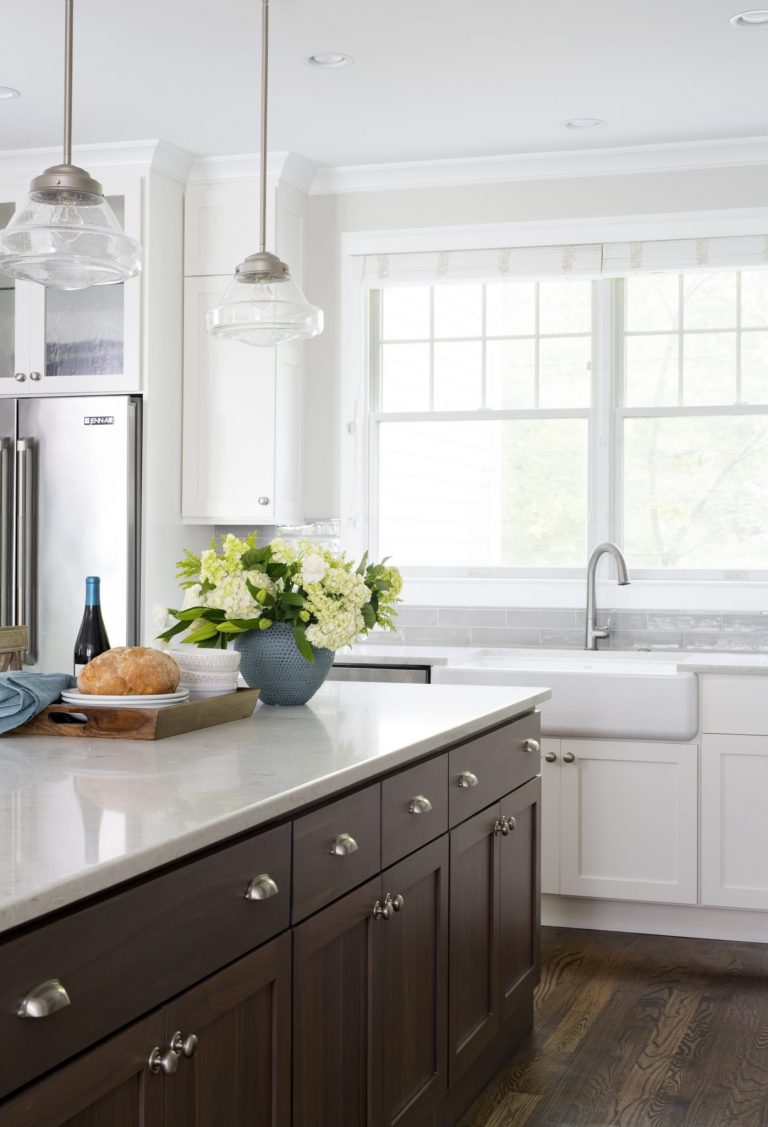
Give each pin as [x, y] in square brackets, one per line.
[368, 962]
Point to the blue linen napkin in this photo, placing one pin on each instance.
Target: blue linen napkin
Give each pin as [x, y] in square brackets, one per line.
[23, 695]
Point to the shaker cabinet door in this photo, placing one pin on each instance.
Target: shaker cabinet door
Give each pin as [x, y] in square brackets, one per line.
[335, 1070]
[110, 1086]
[235, 1044]
[474, 925]
[412, 989]
[519, 894]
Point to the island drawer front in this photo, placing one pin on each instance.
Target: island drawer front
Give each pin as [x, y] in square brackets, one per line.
[335, 848]
[125, 955]
[414, 808]
[491, 766]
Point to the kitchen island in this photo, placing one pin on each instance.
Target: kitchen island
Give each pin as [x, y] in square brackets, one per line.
[289, 872]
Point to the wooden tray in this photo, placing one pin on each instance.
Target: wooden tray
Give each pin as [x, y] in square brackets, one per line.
[140, 723]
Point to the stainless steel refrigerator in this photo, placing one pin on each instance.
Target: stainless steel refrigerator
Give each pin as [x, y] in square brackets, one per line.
[70, 495]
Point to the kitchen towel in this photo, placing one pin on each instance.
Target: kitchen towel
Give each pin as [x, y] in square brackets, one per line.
[23, 695]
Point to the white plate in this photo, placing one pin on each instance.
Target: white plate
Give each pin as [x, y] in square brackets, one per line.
[154, 700]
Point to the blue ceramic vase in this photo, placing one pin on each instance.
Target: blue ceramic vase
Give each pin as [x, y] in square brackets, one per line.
[270, 661]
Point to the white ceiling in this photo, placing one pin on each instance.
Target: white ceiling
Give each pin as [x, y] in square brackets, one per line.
[433, 78]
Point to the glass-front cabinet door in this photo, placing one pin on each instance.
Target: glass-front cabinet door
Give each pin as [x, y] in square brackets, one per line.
[68, 342]
[13, 306]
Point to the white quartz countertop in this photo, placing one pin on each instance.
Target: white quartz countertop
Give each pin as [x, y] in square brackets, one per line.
[745, 664]
[78, 816]
[382, 654]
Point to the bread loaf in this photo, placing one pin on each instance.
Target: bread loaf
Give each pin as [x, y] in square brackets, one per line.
[129, 671]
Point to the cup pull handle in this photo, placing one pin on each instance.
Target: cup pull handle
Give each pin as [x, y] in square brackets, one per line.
[44, 1000]
[261, 888]
[343, 846]
[468, 779]
[420, 805]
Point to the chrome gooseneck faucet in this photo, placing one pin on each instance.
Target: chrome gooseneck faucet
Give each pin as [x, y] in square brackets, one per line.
[592, 632]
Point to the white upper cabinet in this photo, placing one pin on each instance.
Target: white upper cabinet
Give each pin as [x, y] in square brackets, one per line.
[56, 342]
[242, 404]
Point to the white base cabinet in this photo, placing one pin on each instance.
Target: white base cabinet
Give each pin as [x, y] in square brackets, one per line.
[626, 812]
[734, 825]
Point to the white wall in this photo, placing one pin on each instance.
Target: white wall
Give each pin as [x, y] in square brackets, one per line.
[596, 197]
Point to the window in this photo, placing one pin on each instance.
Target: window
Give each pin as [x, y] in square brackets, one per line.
[694, 420]
[482, 405]
[507, 432]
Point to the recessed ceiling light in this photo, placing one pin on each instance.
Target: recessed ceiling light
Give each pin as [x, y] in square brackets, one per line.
[756, 18]
[8, 92]
[331, 59]
[584, 123]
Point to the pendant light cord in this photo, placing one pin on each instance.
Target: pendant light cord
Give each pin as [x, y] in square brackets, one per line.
[264, 87]
[69, 19]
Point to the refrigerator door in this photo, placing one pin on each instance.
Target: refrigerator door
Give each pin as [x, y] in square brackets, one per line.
[7, 518]
[77, 498]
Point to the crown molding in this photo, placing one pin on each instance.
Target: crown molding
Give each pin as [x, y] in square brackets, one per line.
[629, 160]
[283, 167]
[159, 156]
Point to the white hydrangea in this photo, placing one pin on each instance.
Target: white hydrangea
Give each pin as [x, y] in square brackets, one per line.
[282, 552]
[313, 568]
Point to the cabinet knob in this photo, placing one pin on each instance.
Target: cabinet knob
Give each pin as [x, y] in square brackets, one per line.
[20, 376]
[512, 823]
[551, 757]
[44, 1000]
[468, 779]
[397, 901]
[343, 845]
[419, 805]
[35, 376]
[160, 1061]
[263, 500]
[568, 757]
[184, 1046]
[501, 827]
[261, 888]
[383, 910]
[532, 746]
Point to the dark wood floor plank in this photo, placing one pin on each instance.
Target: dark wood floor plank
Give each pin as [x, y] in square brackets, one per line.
[639, 1031]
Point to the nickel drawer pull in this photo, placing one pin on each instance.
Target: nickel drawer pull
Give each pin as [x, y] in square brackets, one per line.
[44, 1000]
[160, 1061]
[184, 1046]
[261, 888]
[420, 805]
[383, 910]
[531, 745]
[343, 846]
[468, 779]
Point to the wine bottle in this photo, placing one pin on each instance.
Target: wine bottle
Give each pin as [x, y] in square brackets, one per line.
[92, 637]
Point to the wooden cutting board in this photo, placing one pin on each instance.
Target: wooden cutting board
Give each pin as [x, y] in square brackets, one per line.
[140, 723]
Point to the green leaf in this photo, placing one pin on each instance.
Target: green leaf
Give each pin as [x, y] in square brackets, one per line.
[247, 623]
[201, 635]
[230, 627]
[188, 615]
[172, 631]
[292, 599]
[369, 615]
[362, 565]
[302, 645]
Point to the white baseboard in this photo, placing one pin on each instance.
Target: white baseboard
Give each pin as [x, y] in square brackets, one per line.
[655, 919]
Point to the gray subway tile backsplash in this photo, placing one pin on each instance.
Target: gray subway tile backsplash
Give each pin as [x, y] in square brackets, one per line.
[563, 628]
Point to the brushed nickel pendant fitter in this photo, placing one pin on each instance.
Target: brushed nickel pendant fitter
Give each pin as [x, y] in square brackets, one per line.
[262, 304]
[65, 234]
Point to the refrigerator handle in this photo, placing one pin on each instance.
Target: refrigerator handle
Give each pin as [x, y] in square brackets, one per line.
[25, 546]
[6, 534]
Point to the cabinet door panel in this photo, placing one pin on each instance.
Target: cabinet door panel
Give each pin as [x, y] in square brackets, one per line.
[550, 817]
[474, 925]
[519, 894]
[412, 987]
[111, 1086]
[228, 472]
[629, 820]
[335, 1077]
[240, 1074]
[734, 828]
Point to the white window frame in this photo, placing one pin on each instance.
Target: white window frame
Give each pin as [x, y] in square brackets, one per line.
[546, 587]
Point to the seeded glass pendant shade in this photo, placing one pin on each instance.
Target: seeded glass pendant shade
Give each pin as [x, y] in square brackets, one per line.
[262, 304]
[65, 235]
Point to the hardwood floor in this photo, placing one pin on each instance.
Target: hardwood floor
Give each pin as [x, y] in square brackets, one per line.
[639, 1031]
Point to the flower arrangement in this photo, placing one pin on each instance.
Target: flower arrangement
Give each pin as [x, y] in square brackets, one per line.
[327, 600]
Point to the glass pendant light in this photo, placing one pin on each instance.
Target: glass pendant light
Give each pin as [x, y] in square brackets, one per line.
[65, 234]
[262, 304]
